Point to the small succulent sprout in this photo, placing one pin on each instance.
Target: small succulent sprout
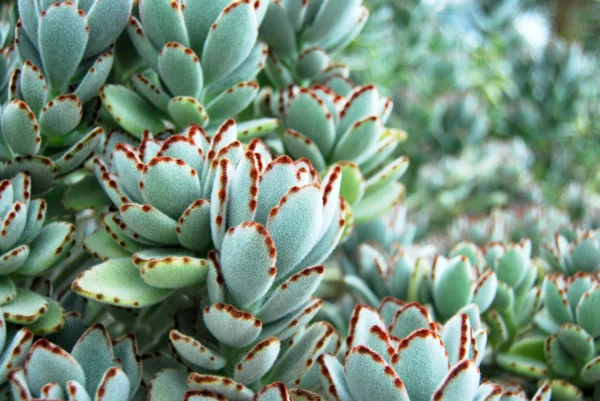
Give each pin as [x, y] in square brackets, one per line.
[65, 40]
[571, 321]
[179, 196]
[14, 345]
[302, 37]
[427, 363]
[97, 368]
[348, 131]
[570, 257]
[204, 57]
[29, 248]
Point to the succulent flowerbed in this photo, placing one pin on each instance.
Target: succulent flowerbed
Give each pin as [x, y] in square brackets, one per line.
[198, 203]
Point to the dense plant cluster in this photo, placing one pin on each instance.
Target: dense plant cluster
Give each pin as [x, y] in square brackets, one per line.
[199, 201]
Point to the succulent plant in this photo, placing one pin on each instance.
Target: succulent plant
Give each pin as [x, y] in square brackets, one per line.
[14, 345]
[96, 368]
[581, 254]
[30, 248]
[568, 351]
[302, 36]
[479, 179]
[53, 94]
[446, 286]
[381, 360]
[179, 197]
[203, 58]
[536, 222]
[348, 131]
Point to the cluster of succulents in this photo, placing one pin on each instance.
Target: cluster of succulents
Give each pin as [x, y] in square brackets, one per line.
[198, 203]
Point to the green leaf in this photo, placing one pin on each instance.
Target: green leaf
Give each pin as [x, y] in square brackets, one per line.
[130, 111]
[180, 70]
[63, 36]
[230, 40]
[51, 245]
[20, 128]
[61, 115]
[118, 282]
[26, 308]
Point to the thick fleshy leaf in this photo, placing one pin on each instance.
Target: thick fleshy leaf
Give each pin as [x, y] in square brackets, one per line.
[187, 110]
[456, 336]
[125, 349]
[590, 373]
[62, 38]
[278, 177]
[233, 101]
[369, 377]
[98, 72]
[232, 326]
[158, 179]
[129, 110]
[248, 257]
[422, 348]
[257, 362]
[362, 320]
[196, 353]
[222, 385]
[168, 385]
[588, 312]
[578, 343]
[163, 22]
[485, 290]
[52, 321]
[555, 300]
[79, 152]
[294, 225]
[376, 203]
[193, 226]
[293, 322]
[360, 137]
[106, 20]
[300, 146]
[229, 41]
[118, 282]
[363, 102]
[557, 358]
[412, 316]
[333, 378]
[52, 244]
[151, 90]
[114, 386]
[452, 286]
[524, 366]
[95, 355]
[296, 290]
[174, 272]
[180, 70]
[308, 115]
[64, 367]
[42, 170]
[20, 128]
[26, 308]
[461, 383]
[150, 223]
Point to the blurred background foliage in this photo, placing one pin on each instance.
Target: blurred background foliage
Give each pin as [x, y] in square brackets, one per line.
[500, 98]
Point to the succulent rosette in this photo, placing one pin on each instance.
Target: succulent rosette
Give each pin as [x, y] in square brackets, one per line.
[30, 248]
[304, 35]
[14, 344]
[48, 125]
[570, 256]
[179, 197]
[382, 358]
[566, 349]
[97, 368]
[345, 130]
[203, 58]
